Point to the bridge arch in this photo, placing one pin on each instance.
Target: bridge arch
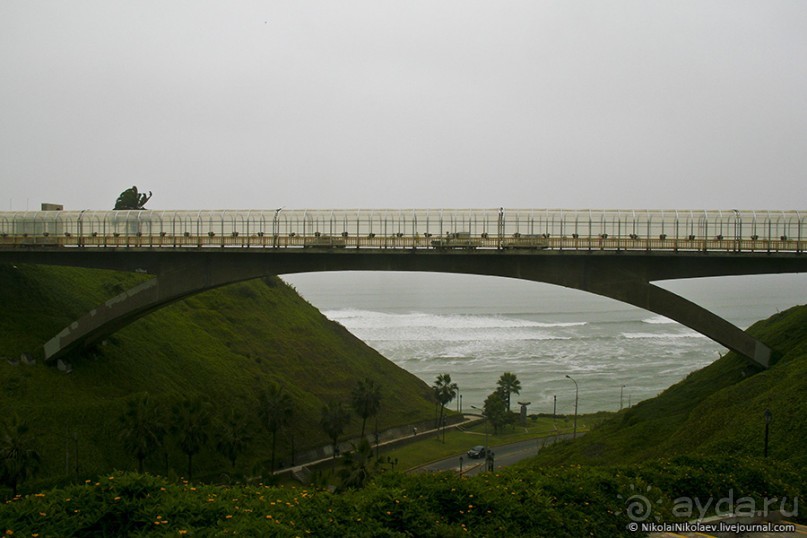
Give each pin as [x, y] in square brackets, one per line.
[622, 279]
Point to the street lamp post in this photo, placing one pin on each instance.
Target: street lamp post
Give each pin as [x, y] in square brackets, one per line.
[621, 392]
[276, 228]
[768, 418]
[486, 428]
[576, 394]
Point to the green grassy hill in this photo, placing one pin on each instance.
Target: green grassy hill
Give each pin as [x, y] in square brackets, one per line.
[717, 411]
[225, 345]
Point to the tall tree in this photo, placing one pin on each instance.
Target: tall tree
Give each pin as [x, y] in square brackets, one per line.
[366, 400]
[276, 411]
[444, 392]
[131, 199]
[18, 459]
[496, 411]
[233, 435]
[190, 423]
[335, 418]
[508, 384]
[142, 428]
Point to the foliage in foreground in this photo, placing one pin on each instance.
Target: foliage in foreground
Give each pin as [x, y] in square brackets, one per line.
[564, 501]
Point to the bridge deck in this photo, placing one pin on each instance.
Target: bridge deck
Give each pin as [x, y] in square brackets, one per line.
[533, 229]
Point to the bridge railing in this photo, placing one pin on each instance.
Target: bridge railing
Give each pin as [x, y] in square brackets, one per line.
[688, 230]
[406, 242]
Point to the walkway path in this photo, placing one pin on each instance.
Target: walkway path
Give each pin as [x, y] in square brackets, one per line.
[467, 420]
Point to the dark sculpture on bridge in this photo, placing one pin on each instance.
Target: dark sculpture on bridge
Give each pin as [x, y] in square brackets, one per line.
[131, 199]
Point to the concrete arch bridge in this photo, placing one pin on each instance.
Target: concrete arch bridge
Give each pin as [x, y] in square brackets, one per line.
[614, 253]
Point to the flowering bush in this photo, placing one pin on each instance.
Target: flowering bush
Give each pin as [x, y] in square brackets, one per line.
[560, 501]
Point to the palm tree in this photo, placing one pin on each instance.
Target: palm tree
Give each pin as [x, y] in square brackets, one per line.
[335, 417]
[233, 436]
[357, 466]
[444, 392]
[508, 384]
[276, 412]
[18, 458]
[190, 423]
[366, 400]
[142, 428]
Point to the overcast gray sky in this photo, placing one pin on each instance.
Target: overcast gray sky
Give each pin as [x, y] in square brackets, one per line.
[578, 104]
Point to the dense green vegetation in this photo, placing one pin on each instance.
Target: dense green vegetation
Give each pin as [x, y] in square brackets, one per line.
[226, 347]
[562, 501]
[717, 410]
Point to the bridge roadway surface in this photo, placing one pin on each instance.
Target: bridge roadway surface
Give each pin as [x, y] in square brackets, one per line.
[613, 253]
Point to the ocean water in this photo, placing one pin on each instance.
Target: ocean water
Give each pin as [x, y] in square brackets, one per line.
[476, 328]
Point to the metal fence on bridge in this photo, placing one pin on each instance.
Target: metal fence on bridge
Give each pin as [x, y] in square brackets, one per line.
[724, 230]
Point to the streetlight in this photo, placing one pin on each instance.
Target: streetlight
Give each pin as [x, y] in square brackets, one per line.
[621, 391]
[276, 228]
[486, 428]
[576, 394]
[768, 418]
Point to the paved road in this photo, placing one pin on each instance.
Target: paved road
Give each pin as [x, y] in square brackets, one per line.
[509, 454]
[504, 455]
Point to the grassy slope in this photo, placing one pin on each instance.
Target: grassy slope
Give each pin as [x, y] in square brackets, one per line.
[717, 410]
[225, 344]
